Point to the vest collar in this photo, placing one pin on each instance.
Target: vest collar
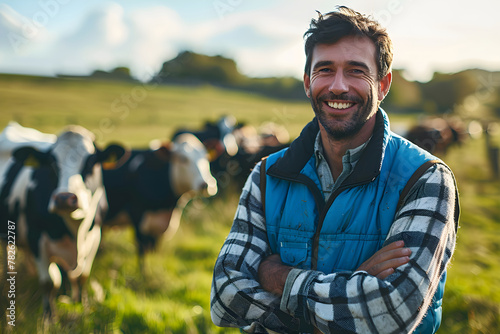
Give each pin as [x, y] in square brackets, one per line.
[290, 165]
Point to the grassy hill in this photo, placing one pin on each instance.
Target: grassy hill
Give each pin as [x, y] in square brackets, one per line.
[173, 295]
[134, 113]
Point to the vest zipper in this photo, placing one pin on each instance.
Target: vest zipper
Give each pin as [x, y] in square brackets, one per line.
[322, 216]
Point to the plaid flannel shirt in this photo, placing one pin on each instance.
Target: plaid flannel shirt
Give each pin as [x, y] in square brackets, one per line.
[333, 302]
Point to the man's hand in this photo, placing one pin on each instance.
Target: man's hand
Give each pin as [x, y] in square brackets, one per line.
[384, 261]
[273, 274]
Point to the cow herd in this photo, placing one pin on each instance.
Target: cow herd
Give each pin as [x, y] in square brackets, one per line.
[60, 190]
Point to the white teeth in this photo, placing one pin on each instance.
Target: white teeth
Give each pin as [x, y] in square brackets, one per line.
[337, 105]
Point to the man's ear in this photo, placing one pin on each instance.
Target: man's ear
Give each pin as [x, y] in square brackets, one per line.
[307, 85]
[384, 85]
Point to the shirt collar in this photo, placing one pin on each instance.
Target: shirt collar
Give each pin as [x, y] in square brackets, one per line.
[351, 156]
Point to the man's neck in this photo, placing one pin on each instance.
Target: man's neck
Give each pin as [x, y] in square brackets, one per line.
[335, 149]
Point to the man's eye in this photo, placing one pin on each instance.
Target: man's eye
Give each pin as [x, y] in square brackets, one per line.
[357, 71]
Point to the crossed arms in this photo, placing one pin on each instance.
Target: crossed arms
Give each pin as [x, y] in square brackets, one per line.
[375, 298]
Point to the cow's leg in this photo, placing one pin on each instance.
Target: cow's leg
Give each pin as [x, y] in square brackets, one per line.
[75, 289]
[84, 294]
[141, 239]
[49, 277]
[74, 286]
[93, 241]
[63, 252]
[46, 285]
[152, 226]
[56, 280]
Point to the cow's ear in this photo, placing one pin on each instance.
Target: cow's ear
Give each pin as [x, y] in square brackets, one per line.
[29, 156]
[164, 152]
[113, 156]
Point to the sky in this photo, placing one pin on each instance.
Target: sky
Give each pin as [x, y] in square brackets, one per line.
[264, 37]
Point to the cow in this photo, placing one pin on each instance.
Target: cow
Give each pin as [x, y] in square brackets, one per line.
[253, 145]
[217, 137]
[55, 196]
[437, 135]
[236, 148]
[144, 190]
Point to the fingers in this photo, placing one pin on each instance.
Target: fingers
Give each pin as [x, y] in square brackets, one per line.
[386, 273]
[384, 261]
[387, 255]
[392, 263]
[392, 250]
[394, 245]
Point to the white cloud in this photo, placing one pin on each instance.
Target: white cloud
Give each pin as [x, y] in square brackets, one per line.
[102, 29]
[261, 43]
[110, 37]
[19, 35]
[157, 32]
[106, 37]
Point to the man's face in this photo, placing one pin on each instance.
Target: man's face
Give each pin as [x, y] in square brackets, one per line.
[343, 86]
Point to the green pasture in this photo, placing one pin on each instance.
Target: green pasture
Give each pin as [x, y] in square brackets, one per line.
[173, 294]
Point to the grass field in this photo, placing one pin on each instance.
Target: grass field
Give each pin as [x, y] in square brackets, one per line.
[173, 295]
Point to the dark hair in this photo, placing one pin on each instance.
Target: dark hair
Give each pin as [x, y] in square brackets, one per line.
[331, 27]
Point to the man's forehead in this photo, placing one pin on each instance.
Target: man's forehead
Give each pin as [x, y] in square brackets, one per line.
[349, 48]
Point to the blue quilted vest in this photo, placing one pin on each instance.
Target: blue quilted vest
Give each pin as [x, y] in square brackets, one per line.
[355, 221]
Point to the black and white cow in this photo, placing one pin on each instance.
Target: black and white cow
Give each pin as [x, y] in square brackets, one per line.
[144, 190]
[234, 149]
[56, 198]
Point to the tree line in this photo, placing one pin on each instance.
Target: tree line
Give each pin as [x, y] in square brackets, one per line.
[441, 95]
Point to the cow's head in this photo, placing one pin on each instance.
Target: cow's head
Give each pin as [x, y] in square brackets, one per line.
[76, 165]
[190, 169]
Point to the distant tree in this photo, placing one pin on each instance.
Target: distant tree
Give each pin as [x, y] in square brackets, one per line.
[189, 67]
[192, 68]
[121, 72]
[118, 73]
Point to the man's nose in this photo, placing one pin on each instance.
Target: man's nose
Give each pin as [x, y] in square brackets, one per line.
[339, 84]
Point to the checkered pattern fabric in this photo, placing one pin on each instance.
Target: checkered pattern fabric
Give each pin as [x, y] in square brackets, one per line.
[347, 302]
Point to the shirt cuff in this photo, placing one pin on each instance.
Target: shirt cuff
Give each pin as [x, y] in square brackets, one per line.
[290, 279]
[295, 292]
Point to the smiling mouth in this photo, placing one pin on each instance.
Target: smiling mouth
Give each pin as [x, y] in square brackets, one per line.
[340, 105]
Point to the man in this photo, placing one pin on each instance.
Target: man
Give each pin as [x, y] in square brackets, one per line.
[350, 230]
